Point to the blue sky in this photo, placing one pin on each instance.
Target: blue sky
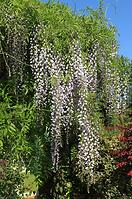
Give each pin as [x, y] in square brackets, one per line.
[119, 13]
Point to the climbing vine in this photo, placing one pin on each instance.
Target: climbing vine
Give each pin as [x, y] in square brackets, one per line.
[67, 84]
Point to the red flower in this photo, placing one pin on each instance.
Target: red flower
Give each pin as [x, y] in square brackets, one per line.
[121, 164]
[130, 157]
[123, 153]
[123, 139]
[129, 173]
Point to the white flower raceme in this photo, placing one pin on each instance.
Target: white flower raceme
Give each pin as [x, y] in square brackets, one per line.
[57, 101]
[69, 83]
[88, 147]
[68, 88]
[113, 85]
[39, 61]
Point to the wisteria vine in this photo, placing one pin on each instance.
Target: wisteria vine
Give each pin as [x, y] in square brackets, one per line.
[63, 82]
[68, 85]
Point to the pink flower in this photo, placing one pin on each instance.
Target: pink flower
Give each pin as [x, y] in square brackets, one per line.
[130, 138]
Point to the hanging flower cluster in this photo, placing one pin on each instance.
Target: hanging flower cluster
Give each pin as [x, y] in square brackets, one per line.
[88, 148]
[57, 109]
[67, 84]
[111, 84]
[92, 67]
[111, 90]
[122, 93]
[40, 69]
[47, 70]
